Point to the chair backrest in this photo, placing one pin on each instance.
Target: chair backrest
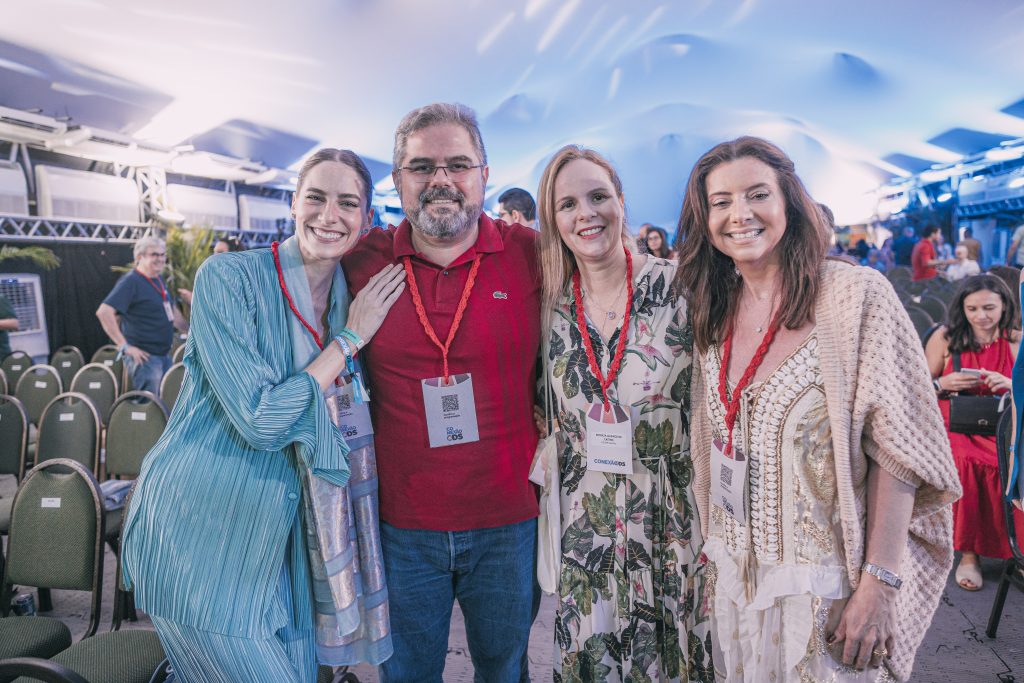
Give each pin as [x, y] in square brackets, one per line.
[67, 360]
[898, 273]
[13, 436]
[37, 387]
[35, 669]
[179, 354]
[107, 355]
[1004, 442]
[136, 422]
[170, 385]
[56, 534]
[70, 429]
[97, 381]
[3, 382]
[14, 366]
[922, 321]
[933, 305]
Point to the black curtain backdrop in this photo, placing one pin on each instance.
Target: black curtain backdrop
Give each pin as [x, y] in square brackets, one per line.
[73, 292]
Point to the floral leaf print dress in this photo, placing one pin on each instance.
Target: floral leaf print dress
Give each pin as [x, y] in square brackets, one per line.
[631, 580]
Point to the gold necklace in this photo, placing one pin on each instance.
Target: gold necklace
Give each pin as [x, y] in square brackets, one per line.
[609, 312]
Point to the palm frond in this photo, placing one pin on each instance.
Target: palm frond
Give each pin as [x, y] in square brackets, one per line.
[39, 256]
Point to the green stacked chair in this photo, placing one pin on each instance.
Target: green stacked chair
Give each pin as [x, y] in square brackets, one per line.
[170, 385]
[179, 354]
[108, 355]
[137, 420]
[57, 529]
[14, 366]
[3, 382]
[13, 447]
[70, 429]
[933, 306]
[36, 388]
[98, 382]
[67, 360]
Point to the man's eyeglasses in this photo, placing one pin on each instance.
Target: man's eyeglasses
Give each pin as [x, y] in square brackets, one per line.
[425, 172]
[157, 254]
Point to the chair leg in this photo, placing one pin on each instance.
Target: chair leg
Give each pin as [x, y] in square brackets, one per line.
[997, 606]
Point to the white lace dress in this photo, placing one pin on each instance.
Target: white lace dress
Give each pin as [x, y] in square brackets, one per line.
[772, 584]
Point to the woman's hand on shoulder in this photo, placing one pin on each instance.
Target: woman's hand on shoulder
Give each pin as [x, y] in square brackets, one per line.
[371, 305]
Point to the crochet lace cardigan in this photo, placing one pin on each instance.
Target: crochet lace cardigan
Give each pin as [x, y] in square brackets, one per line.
[881, 405]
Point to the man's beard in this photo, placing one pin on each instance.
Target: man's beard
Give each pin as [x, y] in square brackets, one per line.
[447, 225]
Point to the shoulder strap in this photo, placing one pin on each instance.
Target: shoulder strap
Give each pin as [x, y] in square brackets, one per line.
[956, 361]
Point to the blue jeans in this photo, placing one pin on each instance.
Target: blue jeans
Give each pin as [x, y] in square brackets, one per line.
[146, 376]
[492, 574]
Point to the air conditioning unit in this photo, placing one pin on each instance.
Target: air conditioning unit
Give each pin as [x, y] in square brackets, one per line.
[203, 207]
[261, 214]
[13, 190]
[21, 126]
[25, 293]
[82, 195]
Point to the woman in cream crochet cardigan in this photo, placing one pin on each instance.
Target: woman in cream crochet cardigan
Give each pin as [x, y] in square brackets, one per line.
[823, 473]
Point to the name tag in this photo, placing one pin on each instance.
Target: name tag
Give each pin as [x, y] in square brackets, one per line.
[353, 418]
[108, 362]
[168, 310]
[95, 385]
[138, 416]
[66, 417]
[15, 367]
[729, 481]
[65, 364]
[451, 410]
[609, 440]
[50, 503]
[41, 385]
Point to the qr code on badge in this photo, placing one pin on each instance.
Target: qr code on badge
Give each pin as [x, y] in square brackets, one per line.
[449, 402]
[345, 402]
[726, 476]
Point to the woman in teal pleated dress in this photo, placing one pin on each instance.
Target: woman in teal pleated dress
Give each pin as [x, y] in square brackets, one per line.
[619, 364]
[219, 543]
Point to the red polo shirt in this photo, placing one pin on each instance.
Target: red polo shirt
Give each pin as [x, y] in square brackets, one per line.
[466, 486]
[924, 251]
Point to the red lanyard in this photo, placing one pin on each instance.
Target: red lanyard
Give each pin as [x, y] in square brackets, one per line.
[291, 304]
[417, 301]
[161, 290]
[581, 323]
[732, 408]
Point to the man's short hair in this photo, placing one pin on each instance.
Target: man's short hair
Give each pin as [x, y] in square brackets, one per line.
[518, 199]
[146, 243]
[433, 115]
[929, 230]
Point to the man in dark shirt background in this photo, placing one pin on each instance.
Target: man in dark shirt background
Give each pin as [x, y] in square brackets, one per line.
[8, 324]
[903, 246]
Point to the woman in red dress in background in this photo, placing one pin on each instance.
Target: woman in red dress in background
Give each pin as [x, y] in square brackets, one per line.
[981, 324]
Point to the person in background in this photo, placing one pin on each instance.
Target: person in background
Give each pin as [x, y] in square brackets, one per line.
[630, 568]
[225, 244]
[1015, 254]
[8, 324]
[641, 237]
[825, 478]
[903, 246]
[657, 243]
[516, 205]
[886, 254]
[264, 586]
[454, 375]
[873, 260]
[140, 316]
[981, 331]
[973, 245]
[964, 265]
[924, 260]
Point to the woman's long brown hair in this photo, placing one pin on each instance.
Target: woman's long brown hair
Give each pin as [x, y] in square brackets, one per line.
[709, 279]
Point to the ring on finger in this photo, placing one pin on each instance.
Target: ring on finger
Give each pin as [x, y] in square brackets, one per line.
[880, 652]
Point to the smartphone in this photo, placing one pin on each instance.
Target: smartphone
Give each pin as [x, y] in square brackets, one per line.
[976, 374]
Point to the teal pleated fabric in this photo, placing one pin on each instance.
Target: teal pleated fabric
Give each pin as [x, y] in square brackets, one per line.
[208, 528]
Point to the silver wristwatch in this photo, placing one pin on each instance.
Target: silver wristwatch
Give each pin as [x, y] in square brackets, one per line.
[883, 575]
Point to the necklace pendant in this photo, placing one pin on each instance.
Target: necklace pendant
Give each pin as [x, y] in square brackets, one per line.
[759, 330]
[611, 315]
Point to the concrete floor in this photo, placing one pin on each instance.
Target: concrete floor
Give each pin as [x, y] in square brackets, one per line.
[955, 649]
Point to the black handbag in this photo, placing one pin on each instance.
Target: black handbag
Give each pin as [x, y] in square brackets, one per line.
[975, 414]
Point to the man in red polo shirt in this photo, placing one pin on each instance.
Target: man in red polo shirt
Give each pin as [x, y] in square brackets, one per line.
[922, 260]
[451, 377]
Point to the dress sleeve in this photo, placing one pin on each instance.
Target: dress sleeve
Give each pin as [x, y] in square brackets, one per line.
[268, 413]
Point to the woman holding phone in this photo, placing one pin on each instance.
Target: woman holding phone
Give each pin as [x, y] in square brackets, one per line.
[974, 354]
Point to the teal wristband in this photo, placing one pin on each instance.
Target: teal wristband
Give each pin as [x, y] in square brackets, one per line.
[356, 340]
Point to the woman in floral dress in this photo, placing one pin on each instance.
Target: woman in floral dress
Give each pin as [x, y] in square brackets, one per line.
[630, 578]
